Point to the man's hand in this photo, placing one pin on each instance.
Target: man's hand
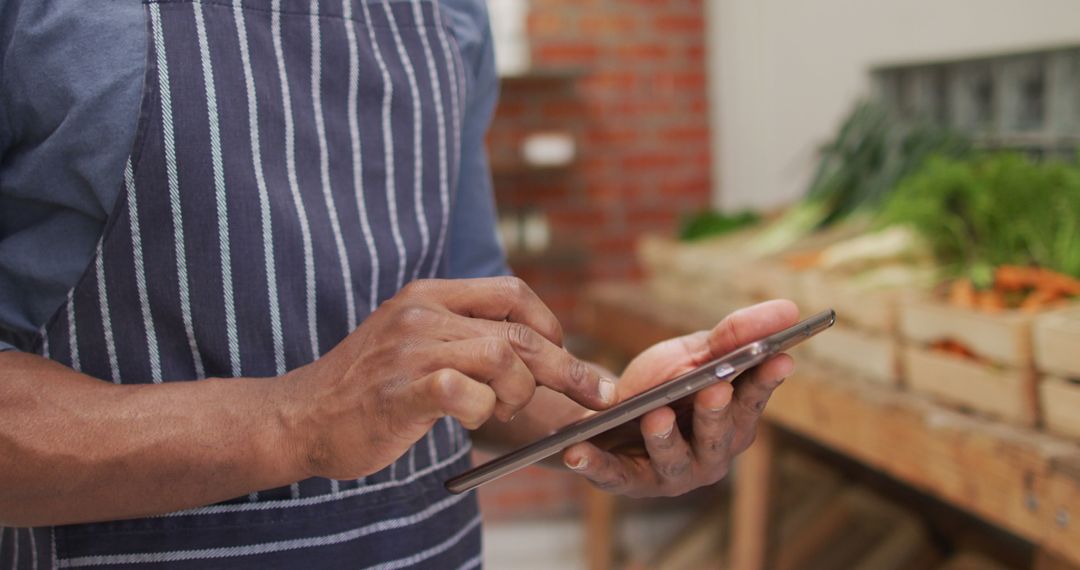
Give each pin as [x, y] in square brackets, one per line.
[471, 349]
[724, 416]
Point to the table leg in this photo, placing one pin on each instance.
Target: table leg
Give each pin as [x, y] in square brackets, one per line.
[753, 502]
[599, 528]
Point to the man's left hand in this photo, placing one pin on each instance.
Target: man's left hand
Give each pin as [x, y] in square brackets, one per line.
[725, 416]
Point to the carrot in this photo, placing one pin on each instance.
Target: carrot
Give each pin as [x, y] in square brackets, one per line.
[953, 347]
[991, 301]
[1018, 277]
[962, 293]
[1038, 300]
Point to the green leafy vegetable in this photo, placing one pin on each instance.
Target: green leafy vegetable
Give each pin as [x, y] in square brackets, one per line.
[709, 223]
[999, 209]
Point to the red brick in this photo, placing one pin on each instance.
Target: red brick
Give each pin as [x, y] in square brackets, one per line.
[620, 81]
[647, 161]
[644, 51]
[567, 53]
[684, 25]
[607, 23]
[685, 134]
[561, 110]
[545, 23]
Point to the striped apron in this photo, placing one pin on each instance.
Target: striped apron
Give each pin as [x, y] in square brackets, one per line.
[294, 166]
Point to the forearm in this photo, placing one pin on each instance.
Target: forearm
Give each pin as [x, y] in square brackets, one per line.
[77, 449]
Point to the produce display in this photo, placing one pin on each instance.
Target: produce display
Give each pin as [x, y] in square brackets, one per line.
[938, 256]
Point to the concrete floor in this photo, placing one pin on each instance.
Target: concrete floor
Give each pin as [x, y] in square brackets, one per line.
[544, 544]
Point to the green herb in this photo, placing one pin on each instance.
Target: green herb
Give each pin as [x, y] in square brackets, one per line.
[708, 223]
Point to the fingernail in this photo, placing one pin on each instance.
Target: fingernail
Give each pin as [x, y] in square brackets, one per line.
[778, 383]
[582, 463]
[666, 434]
[607, 391]
[512, 416]
[720, 408]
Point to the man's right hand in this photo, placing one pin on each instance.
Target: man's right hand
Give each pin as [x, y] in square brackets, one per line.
[470, 349]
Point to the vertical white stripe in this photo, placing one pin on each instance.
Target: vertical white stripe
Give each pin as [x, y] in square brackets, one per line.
[430, 552]
[106, 318]
[2, 531]
[264, 198]
[418, 149]
[33, 550]
[140, 275]
[73, 335]
[455, 108]
[388, 147]
[52, 547]
[357, 161]
[433, 450]
[440, 121]
[219, 193]
[45, 344]
[324, 169]
[294, 185]
[354, 138]
[15, 549]
[172, 174]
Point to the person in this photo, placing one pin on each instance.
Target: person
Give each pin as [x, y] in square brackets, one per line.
[289, 202]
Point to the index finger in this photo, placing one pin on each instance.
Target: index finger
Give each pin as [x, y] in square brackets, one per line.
[751, 323]
[494, 299]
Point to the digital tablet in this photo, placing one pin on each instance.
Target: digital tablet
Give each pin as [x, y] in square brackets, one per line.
[673, 392]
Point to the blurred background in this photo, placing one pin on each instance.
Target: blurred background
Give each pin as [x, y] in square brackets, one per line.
[659, 163]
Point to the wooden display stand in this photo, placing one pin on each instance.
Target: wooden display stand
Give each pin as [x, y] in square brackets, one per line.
[1023, 481]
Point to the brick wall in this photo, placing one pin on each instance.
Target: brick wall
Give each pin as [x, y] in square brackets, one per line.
[635, 100]
[627, 79]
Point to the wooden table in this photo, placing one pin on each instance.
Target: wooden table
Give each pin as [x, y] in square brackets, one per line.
[1018, 479]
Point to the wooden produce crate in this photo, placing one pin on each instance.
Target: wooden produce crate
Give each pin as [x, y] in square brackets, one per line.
[863, 341]
[1057, 343]
[694, 274]
[997, 379]
[873, 310]
[760, 280]
[873, 357]
[1059, 399]
[1001, 392]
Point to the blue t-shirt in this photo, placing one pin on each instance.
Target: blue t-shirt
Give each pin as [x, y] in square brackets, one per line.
[70, 88]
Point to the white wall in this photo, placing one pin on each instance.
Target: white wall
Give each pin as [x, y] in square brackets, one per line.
[785, 72]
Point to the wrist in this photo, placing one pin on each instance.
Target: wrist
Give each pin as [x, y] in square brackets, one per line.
[288, 427]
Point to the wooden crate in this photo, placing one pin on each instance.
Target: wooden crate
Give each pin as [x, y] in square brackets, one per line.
[873, 310]
[1002, 392]
[1057, 343]
[694, 274]
[1060, 401]
[867, 356]
[1003, 337]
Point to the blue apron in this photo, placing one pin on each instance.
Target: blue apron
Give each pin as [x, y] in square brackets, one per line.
[294, 166]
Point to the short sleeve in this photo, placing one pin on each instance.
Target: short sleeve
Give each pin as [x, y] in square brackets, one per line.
[474, 249]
